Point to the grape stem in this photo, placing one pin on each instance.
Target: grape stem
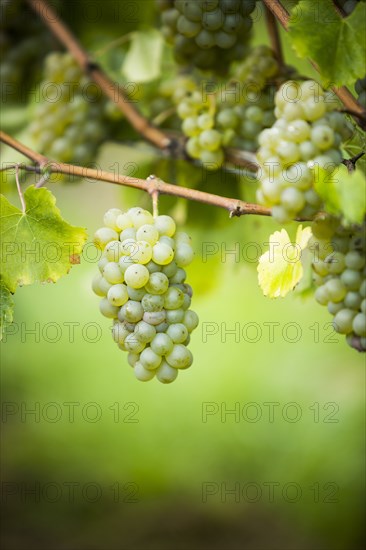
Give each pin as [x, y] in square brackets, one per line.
[351, 163]
[343, 93]
[154, 194]
[274, 36]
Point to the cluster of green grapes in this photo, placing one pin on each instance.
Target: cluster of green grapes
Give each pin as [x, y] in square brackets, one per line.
[247, 106]
[307, 135]
[143, 289]
[232, 116]
[360, 88]
[71, 119]
[24, 41]
[208, 34]
[340, 275]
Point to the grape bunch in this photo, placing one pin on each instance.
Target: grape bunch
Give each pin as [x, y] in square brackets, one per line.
[143, 289]
[72, 117]
[360, 88]
[340, 276]
[208, 34]
[247, 105]
[24, 41]
[307, 135]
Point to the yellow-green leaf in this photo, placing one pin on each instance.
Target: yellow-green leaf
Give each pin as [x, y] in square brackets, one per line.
[280, 268]
[37, 245]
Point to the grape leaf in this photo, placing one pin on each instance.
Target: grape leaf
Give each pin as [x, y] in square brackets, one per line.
[6, 308]
[280, 268]
[37, 245]
[343, 192]
[143, 60]
[336, 44]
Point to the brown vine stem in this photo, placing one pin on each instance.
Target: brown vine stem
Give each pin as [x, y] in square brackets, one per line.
[234, 206]
[274, 36]
[350, 102]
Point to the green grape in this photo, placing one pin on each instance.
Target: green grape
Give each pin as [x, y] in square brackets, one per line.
[162, 344]
[165, 373]
[152, 302]
[118, 295]
[177, 332]
[149, 359]
[157, 284]
[136, 276]
[107, 309]
[144, 332]
[143, 374]
[180, 357]
[112, 273]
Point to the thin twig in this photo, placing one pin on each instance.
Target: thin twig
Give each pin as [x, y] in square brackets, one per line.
[154, 193]
[351, 163]
[20, 193]
[238, 207]
[274, 36]
[343, 92]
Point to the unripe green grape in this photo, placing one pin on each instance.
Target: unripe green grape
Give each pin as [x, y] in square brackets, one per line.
[135, 294]
[205, 121]
[133, 345]
[144, 332]
[113, 251]
[353, 300]
[132, 311]
[154, 318]
[142, 253]
[97, 286]
[352, 279]
[162, 344]
[112, 273]
[180, 357]
[123, 221]
[165, 225]
[343, 320]
[153, 267]
[107, 309]
[152, 302]
[210, 140]
[178, 333]
[190, 320]
[147, 233]
[173, 298]
[354, 260]
[119, 332]
[133, 358]
[149, 359]
[136, 276]
[179, 277]
[359, 324]
[333, 307]
[128, 233]
[157, 284]
[143, 374]
[335, 290]
[110, 218]
[103, 236]
[165, 373]
[118, 295]
[175, 315]
[162, 254]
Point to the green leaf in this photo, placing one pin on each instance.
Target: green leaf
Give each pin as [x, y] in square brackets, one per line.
[343, 192]
[38, 245]
[6, 308]
[143, 60]
[280, 268]
[336, 44]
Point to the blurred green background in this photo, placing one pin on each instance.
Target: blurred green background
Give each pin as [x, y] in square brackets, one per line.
[107, 462]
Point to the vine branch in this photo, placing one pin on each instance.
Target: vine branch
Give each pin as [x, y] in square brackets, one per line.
[234, 206]
[343, 93]
[274, 36]
[109, 88]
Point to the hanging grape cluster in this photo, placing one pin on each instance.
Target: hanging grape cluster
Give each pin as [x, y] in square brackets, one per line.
[143, 289]
[360, 88]
[207, 34]
[215, 116]
[307, 134]
[24, 42]
[72, 117]
[340, 276]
